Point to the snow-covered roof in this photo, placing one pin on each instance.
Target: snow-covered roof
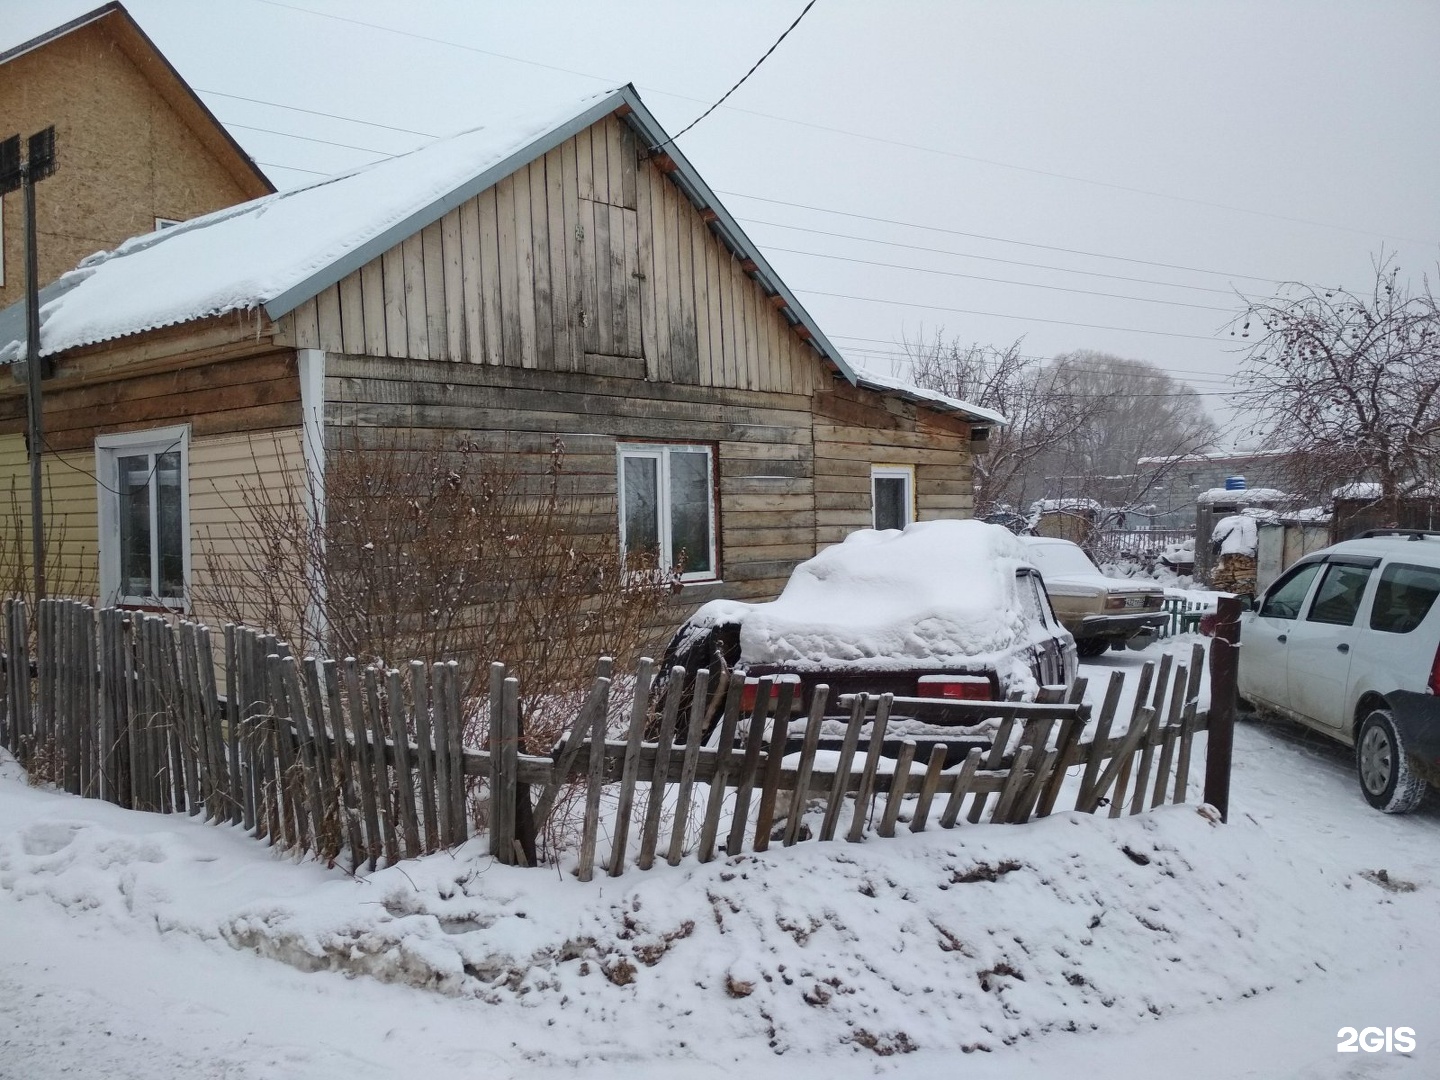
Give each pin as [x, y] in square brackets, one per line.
[1071, 505]
[278, 251]
[1359, 489]
[1242, 496]
[932, 398]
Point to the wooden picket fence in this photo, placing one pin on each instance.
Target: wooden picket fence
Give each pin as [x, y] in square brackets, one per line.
[1146, 766]
[328, 756]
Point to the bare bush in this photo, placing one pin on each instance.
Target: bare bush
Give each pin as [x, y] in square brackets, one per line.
[413, 549]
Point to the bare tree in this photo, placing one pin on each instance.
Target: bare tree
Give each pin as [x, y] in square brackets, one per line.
[1079, 425]
[1351, 379]
[1010, 383]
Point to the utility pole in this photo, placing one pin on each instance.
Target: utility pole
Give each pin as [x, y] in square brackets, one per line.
[39, 163]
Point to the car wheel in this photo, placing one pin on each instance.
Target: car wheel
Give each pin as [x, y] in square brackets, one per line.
[1091, 646]
[1381, 760]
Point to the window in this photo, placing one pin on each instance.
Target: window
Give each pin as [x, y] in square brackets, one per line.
[144, 516]
[1286, 595]
[892, 495]
[1404, 597]
[667, 506]
[1338, 598]
[166, 223]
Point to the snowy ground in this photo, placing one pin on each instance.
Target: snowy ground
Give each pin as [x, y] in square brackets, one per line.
[135, 945]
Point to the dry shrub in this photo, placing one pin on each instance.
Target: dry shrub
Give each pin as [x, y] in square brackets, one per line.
[408, 548]
[64, 577]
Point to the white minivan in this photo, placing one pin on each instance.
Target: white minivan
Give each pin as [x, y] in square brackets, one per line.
[1347, 641]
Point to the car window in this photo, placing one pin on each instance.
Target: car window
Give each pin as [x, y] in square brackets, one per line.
[1062, 558]
[1285, 597]
[1404, 597]
[1030, 599]
[1338, 597]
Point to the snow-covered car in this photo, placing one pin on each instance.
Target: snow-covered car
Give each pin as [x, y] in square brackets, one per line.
[1347, 641]
[947, 609]
[1101, 612]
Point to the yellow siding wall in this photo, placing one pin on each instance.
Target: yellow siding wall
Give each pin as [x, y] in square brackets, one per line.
[223, 469]
[70, 520]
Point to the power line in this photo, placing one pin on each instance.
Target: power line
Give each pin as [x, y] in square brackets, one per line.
[1212, 382]
[817, 209]
[293, 168]
[898, 349]
[985, 258]
[995, 239]
[309, 138]
[754, 67]
[1001, 315]
[1001, 281]
[313, 112]
[828, 128]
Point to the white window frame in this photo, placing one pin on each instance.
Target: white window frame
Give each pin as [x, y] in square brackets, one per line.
[108, 451]
[891, 472]
[660, 453]
[167, 222]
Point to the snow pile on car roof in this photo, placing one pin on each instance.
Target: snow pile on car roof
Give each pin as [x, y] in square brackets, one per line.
[940, 593]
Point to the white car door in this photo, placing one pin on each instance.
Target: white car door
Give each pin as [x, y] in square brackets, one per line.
[1266, 635]
[1318, 660]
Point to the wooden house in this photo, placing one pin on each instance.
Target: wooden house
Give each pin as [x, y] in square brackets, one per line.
[136, 147]
[542, 278]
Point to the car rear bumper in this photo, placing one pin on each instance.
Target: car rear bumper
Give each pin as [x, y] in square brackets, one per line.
[1119, 626]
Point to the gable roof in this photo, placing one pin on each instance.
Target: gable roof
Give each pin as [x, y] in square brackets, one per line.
[151, 62]
[279, 251]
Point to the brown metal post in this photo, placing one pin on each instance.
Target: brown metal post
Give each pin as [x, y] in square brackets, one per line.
[33, 398]
[1220, 732]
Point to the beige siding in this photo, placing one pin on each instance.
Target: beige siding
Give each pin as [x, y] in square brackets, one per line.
[71, 512]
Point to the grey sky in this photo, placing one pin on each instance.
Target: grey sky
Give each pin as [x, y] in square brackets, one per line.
[1109, 128]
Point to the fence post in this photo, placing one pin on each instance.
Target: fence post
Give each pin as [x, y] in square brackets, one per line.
[1220, 737]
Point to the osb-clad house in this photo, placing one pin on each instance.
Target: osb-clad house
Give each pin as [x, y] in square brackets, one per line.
[136, 148]
[526, 280]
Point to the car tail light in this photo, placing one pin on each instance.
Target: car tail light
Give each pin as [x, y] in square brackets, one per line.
[751, 693]
[1434, 684]
[956, 687]
[1115, 602]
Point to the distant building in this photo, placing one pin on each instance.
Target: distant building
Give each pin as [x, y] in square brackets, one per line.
[136, 148]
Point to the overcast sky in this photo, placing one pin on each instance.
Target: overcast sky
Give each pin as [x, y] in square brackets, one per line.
[1024, 155]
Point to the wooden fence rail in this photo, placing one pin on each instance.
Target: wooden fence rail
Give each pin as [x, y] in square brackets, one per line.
[326, 756]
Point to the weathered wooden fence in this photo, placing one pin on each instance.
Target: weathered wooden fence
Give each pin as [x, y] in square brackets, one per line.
[326, 756]
[1115, 545]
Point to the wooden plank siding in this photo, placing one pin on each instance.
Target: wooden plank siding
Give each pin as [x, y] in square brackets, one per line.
[587, 259]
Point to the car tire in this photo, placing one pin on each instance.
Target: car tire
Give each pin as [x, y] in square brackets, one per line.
[1090, 647]
[1383, 766]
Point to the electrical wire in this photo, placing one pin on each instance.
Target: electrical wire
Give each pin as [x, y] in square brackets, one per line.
[59, 456]
[999, 281]
[753, 68]
[1001, 315]
[867, 136]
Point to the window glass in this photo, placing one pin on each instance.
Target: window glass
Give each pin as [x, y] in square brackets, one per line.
[892, 504]
[668, 506]
[690, 510]
[1030, 602]
[169, 526]
[1284, 600]
[1404, 597]
[642, 502]
[1338, 598]
[134, 476]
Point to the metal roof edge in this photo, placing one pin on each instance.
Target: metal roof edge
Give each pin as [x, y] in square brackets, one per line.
[56, 32]
[976, 414]
[644, 121]
[287, 301]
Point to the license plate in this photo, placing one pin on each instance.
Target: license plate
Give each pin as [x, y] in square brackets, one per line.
[1135, 601]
